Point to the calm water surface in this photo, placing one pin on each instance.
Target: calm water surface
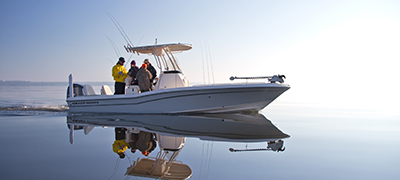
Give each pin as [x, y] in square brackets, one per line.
[324, 143]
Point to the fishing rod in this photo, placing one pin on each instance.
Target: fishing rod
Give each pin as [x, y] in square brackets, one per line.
[114, 47]
[205, 62]
[120, 29]
[141, 39]
[211, 64]
[124, 35]
[202, 62]
[116, 50]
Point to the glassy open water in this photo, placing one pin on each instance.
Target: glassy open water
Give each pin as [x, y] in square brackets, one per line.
[324, 143]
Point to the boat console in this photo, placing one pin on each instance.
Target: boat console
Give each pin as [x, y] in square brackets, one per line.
[171, 79]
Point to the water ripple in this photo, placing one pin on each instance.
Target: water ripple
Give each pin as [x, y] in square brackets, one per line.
[34, 110]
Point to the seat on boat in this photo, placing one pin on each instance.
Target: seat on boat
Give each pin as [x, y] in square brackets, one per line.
[88, 90]
[105, 90]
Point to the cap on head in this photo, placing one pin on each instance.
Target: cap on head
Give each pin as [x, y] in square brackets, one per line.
[146, 61]
[122, 59]
[133, 62]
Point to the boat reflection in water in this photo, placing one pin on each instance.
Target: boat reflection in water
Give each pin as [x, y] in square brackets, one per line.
[170, 132]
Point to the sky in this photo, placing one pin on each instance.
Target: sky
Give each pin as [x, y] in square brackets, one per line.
[334, 50]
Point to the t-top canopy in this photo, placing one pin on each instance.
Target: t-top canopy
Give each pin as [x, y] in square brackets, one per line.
[159, 49]
[162, 54]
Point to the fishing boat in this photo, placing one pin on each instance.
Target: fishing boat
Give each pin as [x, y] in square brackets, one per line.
[172, 93]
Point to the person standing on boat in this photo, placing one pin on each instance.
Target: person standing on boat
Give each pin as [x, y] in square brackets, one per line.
[132, 72]
[143, 77]
[119, 73]
[151, 69]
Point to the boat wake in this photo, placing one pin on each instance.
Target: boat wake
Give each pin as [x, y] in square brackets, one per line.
[33, 110]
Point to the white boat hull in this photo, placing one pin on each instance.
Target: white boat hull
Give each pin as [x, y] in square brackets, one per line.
[194, 99]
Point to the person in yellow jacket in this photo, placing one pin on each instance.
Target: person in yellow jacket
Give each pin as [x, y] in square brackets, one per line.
[119, 73]
[120, 145]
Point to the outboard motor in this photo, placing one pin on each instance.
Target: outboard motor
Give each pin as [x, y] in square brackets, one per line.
[78, 90]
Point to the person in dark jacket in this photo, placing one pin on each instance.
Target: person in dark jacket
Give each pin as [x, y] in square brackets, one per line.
[151, 69]
[132, 72]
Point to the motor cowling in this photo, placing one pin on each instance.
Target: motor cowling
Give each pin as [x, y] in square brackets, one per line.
[77, 89]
